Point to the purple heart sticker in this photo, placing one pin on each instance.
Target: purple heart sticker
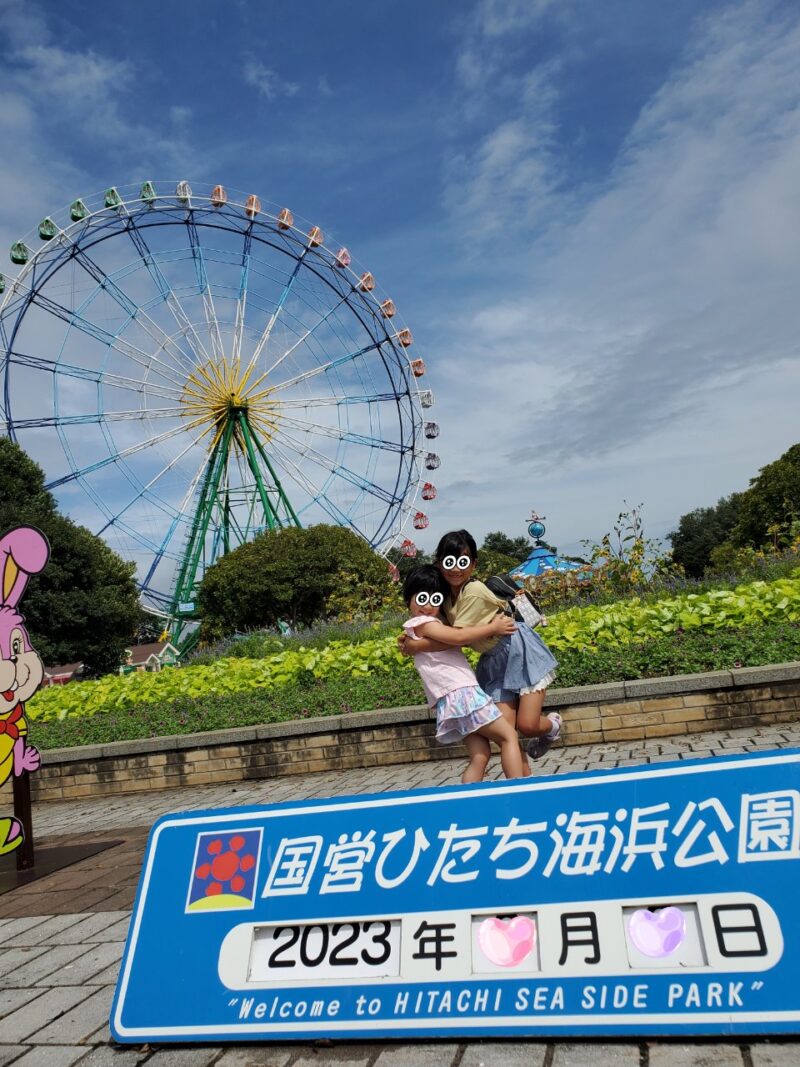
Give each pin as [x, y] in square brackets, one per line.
[657, 933]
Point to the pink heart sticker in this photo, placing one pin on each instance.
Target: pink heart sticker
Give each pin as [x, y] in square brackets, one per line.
[657, 933]
[507, 942]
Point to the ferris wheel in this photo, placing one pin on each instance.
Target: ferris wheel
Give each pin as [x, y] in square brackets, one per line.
[192, 368]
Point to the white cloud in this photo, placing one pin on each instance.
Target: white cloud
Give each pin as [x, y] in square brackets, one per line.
[646, 346]
[86, 90]
[510, 175]
[267, 82]
[498, 18]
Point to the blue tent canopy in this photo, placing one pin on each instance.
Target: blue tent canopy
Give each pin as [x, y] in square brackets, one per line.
[544, 560]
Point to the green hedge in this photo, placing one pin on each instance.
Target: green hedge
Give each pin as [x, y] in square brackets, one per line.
[594, 627]
[687, 653]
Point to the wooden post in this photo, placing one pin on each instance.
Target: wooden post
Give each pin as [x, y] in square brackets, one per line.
[22, 811]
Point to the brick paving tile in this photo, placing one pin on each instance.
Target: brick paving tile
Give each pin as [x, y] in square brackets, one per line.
[48, 932]
[118, 931]
[52, 1004]
[115, 1057]
[11, 959]
[787, 1055]
[258, 1057]
[90, 926]
[504, 1054]
[108, 976]
[101, 1036]
[341, 1056]
[183, 1057]
[710, 1055]
[78, 1022]
[11, 999]
[49, 962]
[91, 963]
[122, 900]
[52, 903]
[8, 1053]
[413, 1055]
[53, 1056]
[579, 1054]
[12, 929]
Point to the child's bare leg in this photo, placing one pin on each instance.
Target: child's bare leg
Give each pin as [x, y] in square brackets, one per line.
[530, 720]
[509, 713]
[505, 736]
[478, 750]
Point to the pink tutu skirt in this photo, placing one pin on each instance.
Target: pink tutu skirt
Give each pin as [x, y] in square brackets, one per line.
[462, 712]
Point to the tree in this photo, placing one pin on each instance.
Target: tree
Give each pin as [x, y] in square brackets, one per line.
[285, 576]
[149, 628]
[518, 548]
[84, 605]
[772, 503]
[701, 531]
[405, 564]
[491, 562]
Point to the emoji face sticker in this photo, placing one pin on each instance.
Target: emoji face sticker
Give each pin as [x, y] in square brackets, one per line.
[452, 563]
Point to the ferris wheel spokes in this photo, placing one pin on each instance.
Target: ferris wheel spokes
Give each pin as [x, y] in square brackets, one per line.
[342, 435]
[324, 367]
[324, 318]
[137, 415]
[265, 335]
[241, 302]
[69, 370]
[340, 470]
[126, 453]
[154, 480]
[113, 341]
[133, 310]
[168, 295]
[315, 492]
[212, 323]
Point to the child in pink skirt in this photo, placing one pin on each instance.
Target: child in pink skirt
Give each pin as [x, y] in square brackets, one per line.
[463, 710]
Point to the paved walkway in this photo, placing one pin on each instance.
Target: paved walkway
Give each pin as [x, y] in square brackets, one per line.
[64, 933]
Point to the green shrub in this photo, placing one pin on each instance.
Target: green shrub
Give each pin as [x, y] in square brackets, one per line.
[598, 626]
[687, 653]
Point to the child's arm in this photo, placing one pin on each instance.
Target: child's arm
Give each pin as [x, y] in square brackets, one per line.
[437, 636]
[410, 646]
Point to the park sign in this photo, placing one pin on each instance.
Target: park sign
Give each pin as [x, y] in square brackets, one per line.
[649, 900]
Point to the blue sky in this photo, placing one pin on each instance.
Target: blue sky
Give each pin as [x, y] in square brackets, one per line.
[586, 212]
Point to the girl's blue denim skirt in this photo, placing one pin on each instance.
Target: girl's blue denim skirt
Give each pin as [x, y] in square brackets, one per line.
[519, 661]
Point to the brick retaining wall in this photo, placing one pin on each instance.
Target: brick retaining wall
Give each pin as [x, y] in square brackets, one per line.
[618, 711]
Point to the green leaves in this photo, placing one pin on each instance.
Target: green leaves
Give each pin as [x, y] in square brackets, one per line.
[630, 620]
[591, 628]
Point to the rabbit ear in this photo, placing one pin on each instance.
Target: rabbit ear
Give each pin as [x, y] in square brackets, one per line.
[23, 551]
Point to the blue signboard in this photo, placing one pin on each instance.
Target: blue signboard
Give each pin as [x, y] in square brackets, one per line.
[649, 900]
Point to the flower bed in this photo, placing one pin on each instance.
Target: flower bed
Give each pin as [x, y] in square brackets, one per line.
[587, 628]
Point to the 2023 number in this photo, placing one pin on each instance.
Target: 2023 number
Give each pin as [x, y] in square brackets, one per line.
[281, 955]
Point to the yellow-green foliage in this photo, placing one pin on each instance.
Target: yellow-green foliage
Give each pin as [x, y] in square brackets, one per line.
[619, 623]
[631, 620]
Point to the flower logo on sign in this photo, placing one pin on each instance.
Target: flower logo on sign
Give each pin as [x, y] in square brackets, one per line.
[507, 943]
[657, 933]
[224, 873]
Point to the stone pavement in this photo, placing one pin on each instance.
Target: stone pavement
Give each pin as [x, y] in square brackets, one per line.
[63, 934]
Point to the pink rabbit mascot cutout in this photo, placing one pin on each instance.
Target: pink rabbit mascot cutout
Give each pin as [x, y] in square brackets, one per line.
[23, 552]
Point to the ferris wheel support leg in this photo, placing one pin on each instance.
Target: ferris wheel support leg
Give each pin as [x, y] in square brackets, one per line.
[186, 585]
[283, 498]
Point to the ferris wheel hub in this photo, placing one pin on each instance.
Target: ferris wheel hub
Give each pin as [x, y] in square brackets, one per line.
[219, 390]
